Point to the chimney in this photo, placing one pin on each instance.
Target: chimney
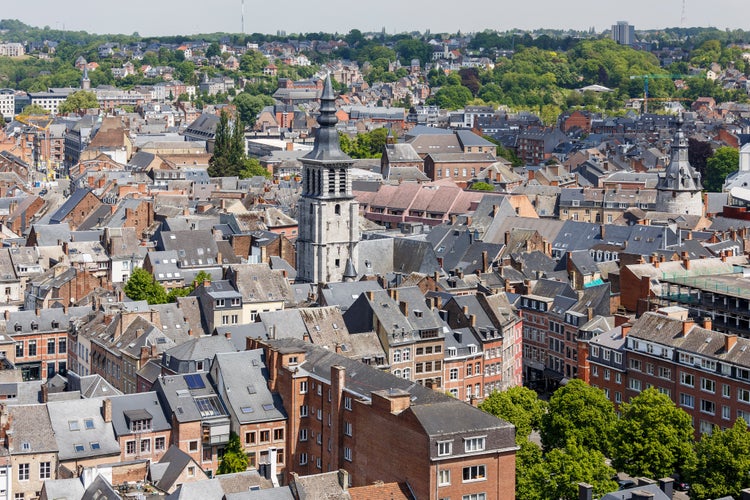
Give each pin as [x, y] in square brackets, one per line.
[394, 294]
[145, 352]
[404, 306]
[473, 320]
[290, 146]
[666, 485]
[641, 495]
[343, 480]
[626, 329]
[686, 326]
[272, 466]
[708, 323]
[729, 341]
[590, 313]
[602, 234]
[107, 410]
[585, 491]
[723, 255]
[689, 235]
[45, 393]
[370, 295]
[485, 262]
[228, 335]
[685, 260]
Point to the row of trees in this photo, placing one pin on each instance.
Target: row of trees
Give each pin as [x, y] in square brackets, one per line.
[651, 437]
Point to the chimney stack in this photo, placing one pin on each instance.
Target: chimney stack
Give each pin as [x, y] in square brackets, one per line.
[626, 329]
[404, 306]
[708, 323]
[666, 485]
[729, 342]
[585, 491]
[107, 410]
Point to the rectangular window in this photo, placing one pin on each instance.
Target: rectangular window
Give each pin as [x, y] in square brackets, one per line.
[726, 391]
[23, 472]
[45, 470]
[687, 400]
[474, 473]
[474, 444]
[475, 496]
[687, 379]
[303, 411]
[348, 403]
[726, 412]
[708, 385]
[303, 458]
[303, 387]
[634, 384]
[444, 477]
[743, 395]
[50, 346]
[453, 374]
[130, 448]
[708, 406]
[32, 348]
[347, 428]
[19, 349]
[159, 444]
[62, 345]
[265, 436]
[145, 446]
[250, 437]
[303, 434]
[347, 454]
[445, 448]
[193, 446]
[278, 434]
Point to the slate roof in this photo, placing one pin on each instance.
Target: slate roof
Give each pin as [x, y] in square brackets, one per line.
[167, 471]
[245, 390]
[183, 402]
[32, 430]
[70, 203]
[125, 406]
[80, 430]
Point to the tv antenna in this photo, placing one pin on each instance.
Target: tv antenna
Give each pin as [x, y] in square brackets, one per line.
[683, 17]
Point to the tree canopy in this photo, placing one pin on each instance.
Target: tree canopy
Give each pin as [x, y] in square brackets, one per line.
[78, 101]
[142, 286]
[234, 459]
[229, 148]
[723, 463]
[724, 161]
[365, 145]
[653, 437]
[518, 405]
[581, 412]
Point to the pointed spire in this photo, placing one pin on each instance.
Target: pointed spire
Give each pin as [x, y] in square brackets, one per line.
[327, 146]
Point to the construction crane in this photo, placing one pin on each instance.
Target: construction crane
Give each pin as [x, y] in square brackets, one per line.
[645, 85]
[41, 124]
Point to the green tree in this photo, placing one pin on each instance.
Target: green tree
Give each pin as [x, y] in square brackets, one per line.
[653, 437]
[724, 161]
[234, 459]
[142, 286]
[213, 50]
[518, 405]
[723, 463]
[451, 97]
[580, 412]
[253, 168]
[34, 109]
[558, 474]
[249, 106]
[78, 101]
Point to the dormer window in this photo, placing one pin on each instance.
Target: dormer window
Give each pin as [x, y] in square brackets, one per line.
[34, 325]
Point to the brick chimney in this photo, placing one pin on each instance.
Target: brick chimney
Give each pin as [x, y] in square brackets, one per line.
[686, 326]
[626, 329]
[107, 410]
[729, 342]
[685, 260]
[708, 323]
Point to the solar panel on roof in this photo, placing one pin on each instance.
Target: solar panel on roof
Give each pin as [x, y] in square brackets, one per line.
[194, 381]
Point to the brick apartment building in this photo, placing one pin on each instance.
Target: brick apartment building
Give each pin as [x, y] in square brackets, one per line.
[345, 415]
[704, 372]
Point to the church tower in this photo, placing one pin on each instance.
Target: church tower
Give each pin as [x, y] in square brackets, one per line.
[678, 190]
[328, 213]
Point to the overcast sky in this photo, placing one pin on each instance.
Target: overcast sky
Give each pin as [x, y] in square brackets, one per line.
[172, 17]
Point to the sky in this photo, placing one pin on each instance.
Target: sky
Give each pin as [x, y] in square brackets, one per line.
[187, 17]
